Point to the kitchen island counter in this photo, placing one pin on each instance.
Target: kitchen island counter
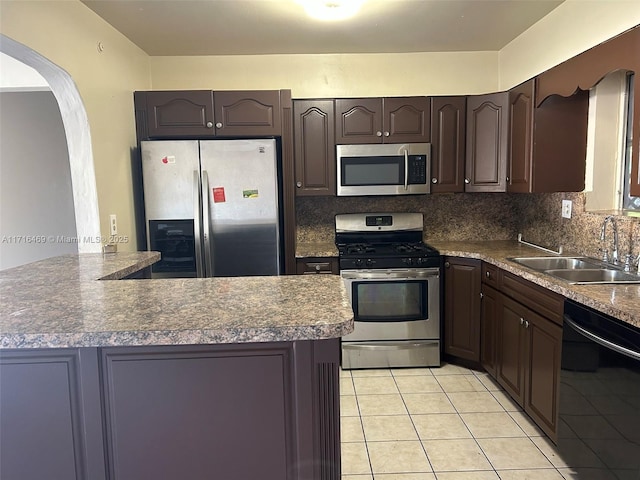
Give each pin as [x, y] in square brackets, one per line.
[621, 301]
[81, 301]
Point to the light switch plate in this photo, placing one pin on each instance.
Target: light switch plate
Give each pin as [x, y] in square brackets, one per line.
[566, 208]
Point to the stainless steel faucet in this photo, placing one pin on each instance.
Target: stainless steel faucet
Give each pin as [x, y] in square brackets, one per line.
[603, 237]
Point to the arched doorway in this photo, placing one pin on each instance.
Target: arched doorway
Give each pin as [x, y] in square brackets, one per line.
[76, 127]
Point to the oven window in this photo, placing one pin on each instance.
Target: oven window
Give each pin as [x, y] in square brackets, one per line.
[390, 301]
[357, 171]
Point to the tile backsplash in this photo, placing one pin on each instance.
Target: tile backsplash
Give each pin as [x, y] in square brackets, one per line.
[478, 216]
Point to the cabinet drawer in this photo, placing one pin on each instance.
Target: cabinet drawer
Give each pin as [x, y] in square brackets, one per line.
[490, 274]
[308, 266]
[535, 297]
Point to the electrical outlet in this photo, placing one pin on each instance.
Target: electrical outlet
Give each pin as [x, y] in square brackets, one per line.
[566, 208]
[113, 224]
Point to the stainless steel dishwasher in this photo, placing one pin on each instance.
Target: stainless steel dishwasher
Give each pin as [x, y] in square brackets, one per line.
[599, 431]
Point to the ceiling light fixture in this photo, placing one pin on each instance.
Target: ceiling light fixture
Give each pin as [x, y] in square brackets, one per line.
[331, 10]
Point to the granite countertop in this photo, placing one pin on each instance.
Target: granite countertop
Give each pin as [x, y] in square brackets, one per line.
[316, 249]
[621, 301]
[79, 301]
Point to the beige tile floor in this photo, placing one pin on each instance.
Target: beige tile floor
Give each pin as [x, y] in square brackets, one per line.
[447, 423]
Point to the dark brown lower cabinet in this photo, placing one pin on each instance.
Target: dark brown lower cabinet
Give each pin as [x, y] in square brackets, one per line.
[237, 411]
[314, 265]
[488, 330]
[50, 416]
[528, 361]
[462, 308]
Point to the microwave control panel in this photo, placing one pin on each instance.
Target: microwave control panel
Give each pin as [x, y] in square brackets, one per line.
[417, 169]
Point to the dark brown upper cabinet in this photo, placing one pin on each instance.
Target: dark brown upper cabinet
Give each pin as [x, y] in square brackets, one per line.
[186, 113]
[382, 120]
[547, 143]
[207, 114]
[314, 144]
[247, 113]
[448, 133]
[585, 70]
[487, 134]
[521, 99]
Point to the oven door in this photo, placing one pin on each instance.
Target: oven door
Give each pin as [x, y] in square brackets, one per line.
[394, 304]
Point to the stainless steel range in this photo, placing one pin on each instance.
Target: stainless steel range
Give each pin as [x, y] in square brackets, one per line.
[393, 280]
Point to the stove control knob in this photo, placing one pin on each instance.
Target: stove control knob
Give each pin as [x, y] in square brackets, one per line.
[407, 261]
[370, 262]
[358, 262]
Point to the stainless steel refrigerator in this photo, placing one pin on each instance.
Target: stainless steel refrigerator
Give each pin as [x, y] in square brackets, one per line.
[212, 207]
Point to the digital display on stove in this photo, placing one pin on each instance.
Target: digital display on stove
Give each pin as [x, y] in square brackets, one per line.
[381, 221]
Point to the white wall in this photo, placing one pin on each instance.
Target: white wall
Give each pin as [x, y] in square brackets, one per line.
[15, 76]
[36, 200]
[326, 76]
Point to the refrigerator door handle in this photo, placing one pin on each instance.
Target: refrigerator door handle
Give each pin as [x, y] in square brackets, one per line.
[196, 223]
[206, 215]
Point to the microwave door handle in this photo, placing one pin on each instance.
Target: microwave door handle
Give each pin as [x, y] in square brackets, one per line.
[406, 169]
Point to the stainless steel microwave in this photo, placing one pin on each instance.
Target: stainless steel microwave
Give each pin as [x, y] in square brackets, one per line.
[383, 169]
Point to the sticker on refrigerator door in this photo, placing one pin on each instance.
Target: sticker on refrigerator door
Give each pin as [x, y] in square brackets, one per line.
[250, 194]
[218, 195]
[169, 159]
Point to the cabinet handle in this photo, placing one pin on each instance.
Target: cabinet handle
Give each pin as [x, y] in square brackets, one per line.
[386, 134]
[447, 264]
[481, 295]
[507, 179]
[209, 124]
[219, 125]
[521, 321]
[526, 324]
[378, 134]
[488, 274]
[466, 180]
[299, 184]
[434, 180]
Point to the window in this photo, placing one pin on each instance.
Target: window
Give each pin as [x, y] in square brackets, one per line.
[629, 203]
[609, 143]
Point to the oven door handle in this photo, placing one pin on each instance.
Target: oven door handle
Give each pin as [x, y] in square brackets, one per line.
[386, 345]
[406, 169]
[400, 275]
[601, 341]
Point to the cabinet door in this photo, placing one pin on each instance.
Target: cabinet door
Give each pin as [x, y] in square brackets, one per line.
[406, 119]
[462, 308]
[317, 265]
[173, 114]
[511, 347]
[544, 340]
[358, 120]
[50, 418]
[197, 407]
[560, 148]
[248, 113]
[487, 131]
[521, 105]
[315, 150]
[447, 144]
[489, 330]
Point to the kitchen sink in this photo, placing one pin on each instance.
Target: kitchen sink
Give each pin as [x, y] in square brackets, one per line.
[577, 270]
[555, 263]
[603, 275]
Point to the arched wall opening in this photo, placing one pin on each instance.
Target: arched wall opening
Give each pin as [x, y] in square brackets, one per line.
[78, 136]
